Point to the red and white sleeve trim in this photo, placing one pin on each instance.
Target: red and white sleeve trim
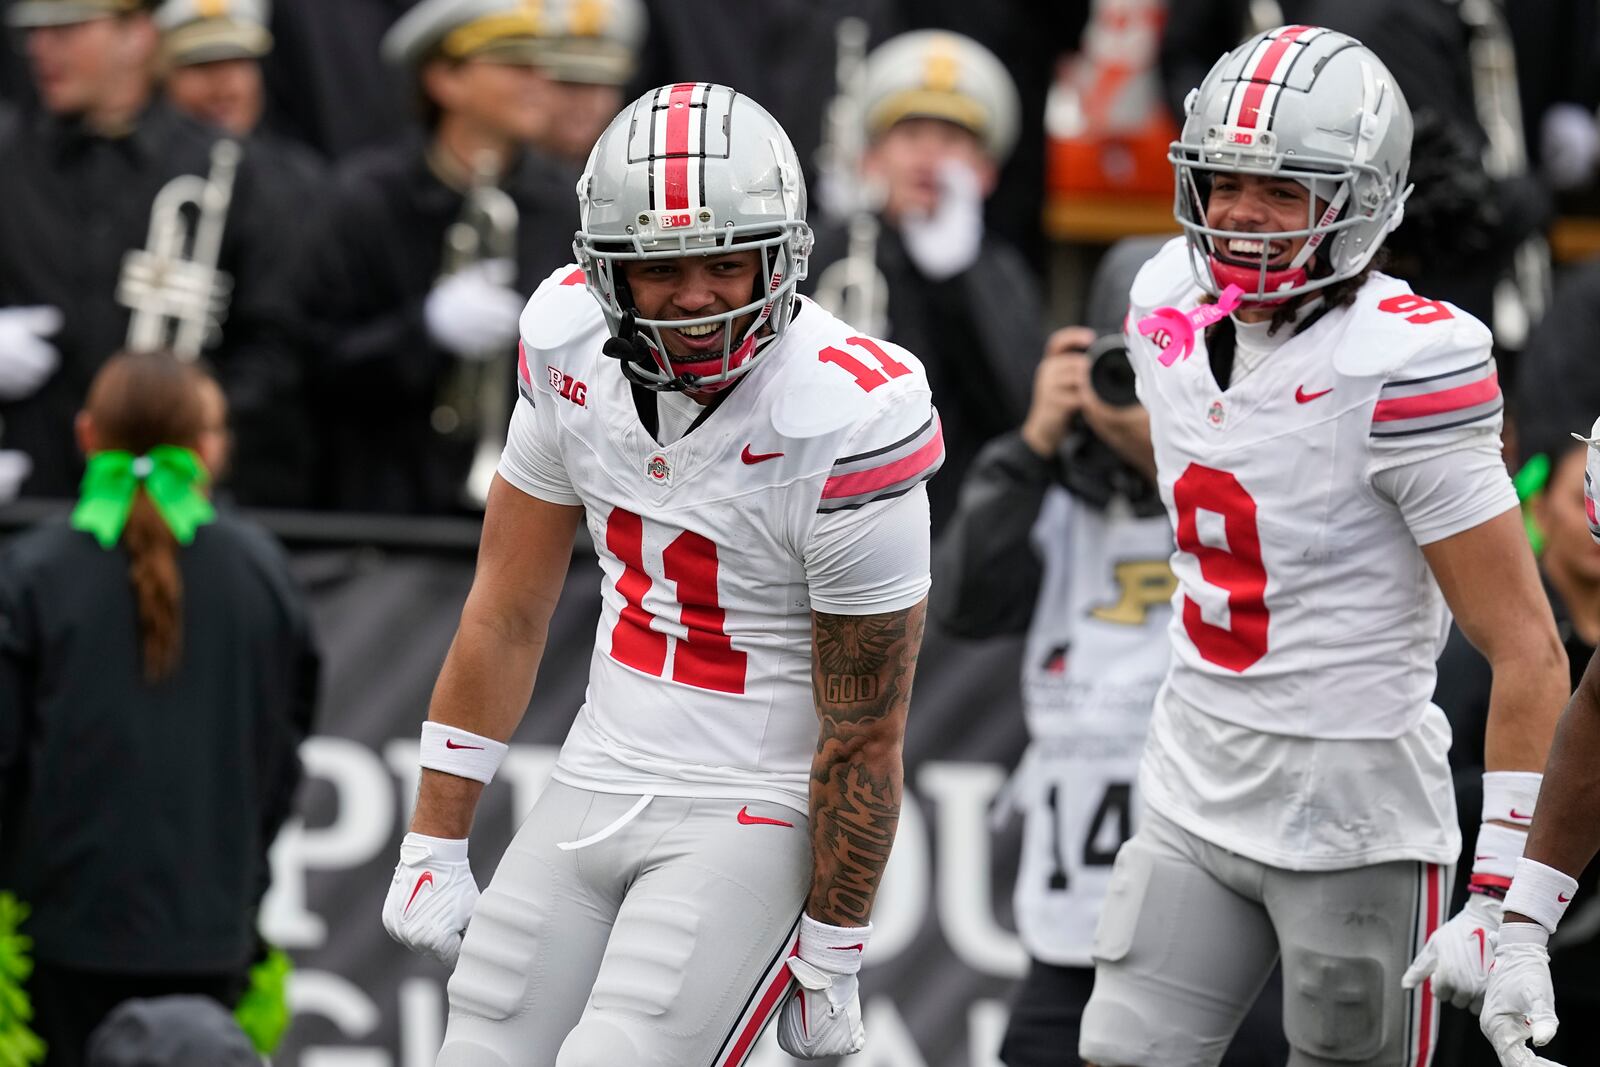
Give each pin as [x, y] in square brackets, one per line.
[890, 471]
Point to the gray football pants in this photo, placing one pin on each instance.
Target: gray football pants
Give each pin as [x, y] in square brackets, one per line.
[1189, 933]
[661, 942]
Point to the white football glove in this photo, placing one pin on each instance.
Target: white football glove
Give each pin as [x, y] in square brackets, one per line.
[431, 896]
[26, 358]
[1458, 955]
[474, 312]
[822, 1016]
[1519, 1002]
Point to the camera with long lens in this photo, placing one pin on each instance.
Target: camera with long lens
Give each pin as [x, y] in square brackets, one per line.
[1110, 372]
[1090, 469]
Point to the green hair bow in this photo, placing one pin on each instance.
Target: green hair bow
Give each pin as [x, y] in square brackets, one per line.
[172, 476]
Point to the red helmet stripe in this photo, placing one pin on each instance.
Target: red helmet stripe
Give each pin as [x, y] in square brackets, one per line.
[1261, 77]
[677, 148]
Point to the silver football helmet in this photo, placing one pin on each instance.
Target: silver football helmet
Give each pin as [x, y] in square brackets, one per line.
[1305, 103]
[690, 170]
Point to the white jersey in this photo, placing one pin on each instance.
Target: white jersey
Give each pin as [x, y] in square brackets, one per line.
[1305, 610]
[1095, 655]
[801, 491]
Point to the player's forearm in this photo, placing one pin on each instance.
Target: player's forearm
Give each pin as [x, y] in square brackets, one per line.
[1565, 833]
[483, 688]
[862, 671]
[1526, 696]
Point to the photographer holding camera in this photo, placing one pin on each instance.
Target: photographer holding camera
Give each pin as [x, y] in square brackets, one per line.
[1059, 534]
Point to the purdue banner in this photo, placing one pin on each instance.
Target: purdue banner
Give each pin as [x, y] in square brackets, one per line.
[943, 956]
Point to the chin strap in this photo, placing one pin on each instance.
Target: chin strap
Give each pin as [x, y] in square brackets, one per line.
[631, 349]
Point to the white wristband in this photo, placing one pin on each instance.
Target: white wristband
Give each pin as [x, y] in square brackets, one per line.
[1509, 796]
[1541, 893]
[460, 752]
[835, 949]
[1498, 850]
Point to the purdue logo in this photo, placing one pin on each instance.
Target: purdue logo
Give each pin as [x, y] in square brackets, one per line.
[1142, 584]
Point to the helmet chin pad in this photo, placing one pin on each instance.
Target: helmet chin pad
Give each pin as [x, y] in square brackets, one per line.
[1250, 279]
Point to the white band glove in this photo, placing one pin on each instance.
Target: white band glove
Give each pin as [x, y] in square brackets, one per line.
[822, 1016]
[26, 358]
[1519, 1002]
[947, 242]
[473, 313]
[431, 896]
[1458, 955]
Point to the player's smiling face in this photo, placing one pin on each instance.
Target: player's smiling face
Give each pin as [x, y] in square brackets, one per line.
[1250, 204]
[693, 287]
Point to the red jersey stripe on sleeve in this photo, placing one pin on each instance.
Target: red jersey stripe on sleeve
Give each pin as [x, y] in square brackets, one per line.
[524, 382]
[1445, 400]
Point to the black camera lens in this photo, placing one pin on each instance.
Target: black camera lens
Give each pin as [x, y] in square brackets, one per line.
[1110, 373]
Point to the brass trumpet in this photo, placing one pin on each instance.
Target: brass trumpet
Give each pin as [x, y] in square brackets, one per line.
[475, 399]
[178, 296]
[853, 288]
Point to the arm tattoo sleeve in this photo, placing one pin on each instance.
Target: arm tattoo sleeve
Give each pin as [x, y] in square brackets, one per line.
[862, 667]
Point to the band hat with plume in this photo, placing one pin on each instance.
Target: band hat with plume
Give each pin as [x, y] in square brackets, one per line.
[504, 30]
[207, 31]
[592, 42]
[30, 14]
[942, 75]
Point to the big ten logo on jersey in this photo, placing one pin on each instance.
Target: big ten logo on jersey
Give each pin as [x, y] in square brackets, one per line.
[1141, 585]
[567, 387]
[364, 1001]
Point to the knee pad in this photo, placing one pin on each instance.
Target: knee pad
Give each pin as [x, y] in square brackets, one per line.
[1334, 1006]
[596, 1043]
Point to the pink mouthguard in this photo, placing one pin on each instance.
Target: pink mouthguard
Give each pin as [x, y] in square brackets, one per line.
[1179, 327]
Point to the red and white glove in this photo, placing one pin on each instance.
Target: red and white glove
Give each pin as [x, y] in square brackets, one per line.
[431, 897]
[1519, 1003]
[1458, 955]
[822, 1016]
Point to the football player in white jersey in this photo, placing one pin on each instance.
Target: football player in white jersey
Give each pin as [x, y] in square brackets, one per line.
[1329, 453]
[1519, 1004]
[750, 470]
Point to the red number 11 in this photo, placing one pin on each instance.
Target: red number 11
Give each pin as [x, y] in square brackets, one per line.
[705, 658]
[865, 376]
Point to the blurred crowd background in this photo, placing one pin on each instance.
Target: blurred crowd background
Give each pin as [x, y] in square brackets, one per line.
[352, 343]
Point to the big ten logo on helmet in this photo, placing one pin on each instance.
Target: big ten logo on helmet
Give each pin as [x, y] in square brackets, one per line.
[678, 220]
[567, 387]
[376, 1005]
[1141, 585]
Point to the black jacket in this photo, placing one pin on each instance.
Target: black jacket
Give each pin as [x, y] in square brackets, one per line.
[75, 204]
[365, 288]
[135, 818]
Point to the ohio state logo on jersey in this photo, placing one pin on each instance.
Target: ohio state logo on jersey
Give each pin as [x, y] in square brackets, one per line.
[658, 470]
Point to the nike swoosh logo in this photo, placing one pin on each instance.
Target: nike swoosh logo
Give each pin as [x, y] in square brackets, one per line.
[757, 457]
[1484, 856]
[426, 879]
[451, 744]
[1303, 397]
[1479, 935]
[859, 946]
[1515, 814]
[1562, 898]
[746, 819]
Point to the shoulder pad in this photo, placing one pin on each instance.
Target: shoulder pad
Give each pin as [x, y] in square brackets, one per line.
[1392, 332]
[560, 311]
[834, 378]
[1165, 279]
